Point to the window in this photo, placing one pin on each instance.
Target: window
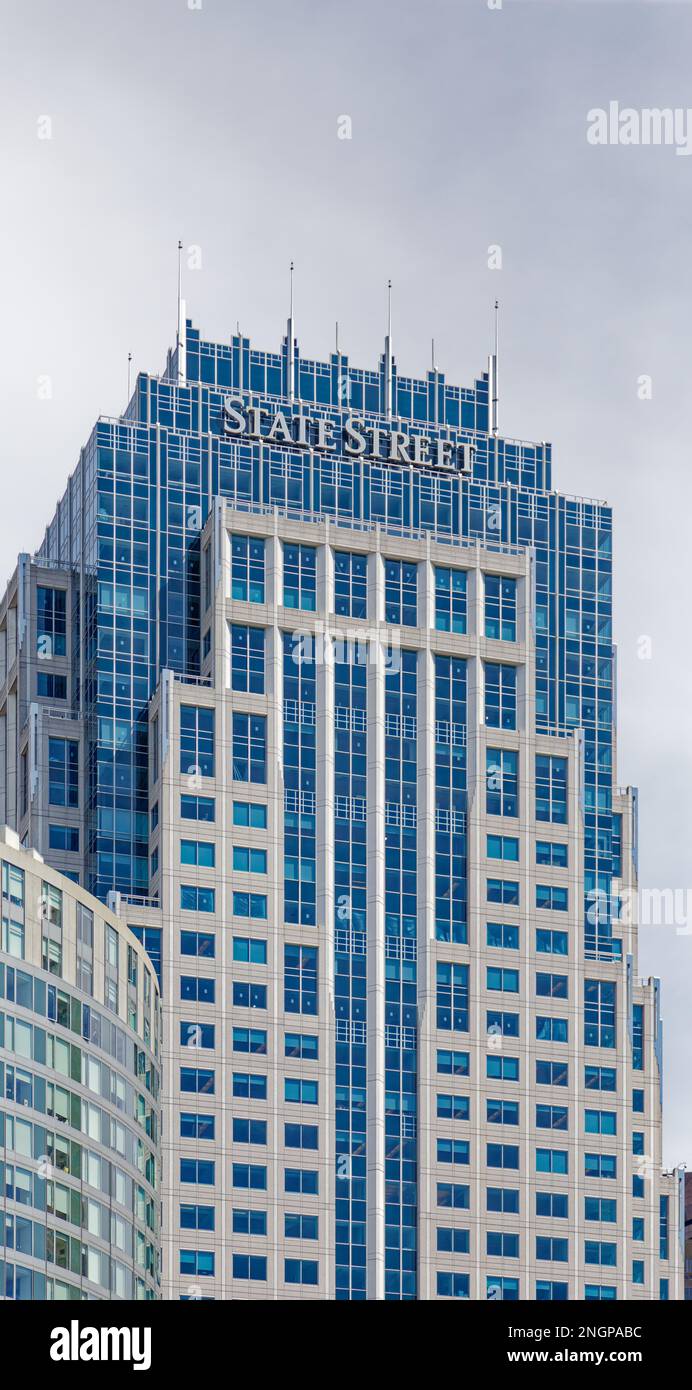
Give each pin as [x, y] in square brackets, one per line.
[304, 1180]
[64, 837]
[637, 1036]
[250, 1040]
[51, 622]
[400, 592]
[547, 1289]
[197, 1262]
[196, 740]
[502, 1199]
[197, 1080]
[503, 934]
[198, 852]
[196, 1126]
[250, 813]
[663, 1227]
[252, 1176]
[600, 1078]
[553, 1204]
[501, 1024]
[249, 1086]
[63, 772]
[452, 1063]
[247, 659]
[246, 1131]
[501, 1289]
[196, 1034]
[452, 1285]
[638, 1228]
[600, 1122]
[301, 1091]
[500, 607]
[197, 943]
[550, 853]
[301, 1271]
[452, 1107]
[249, 748]
[249, 1222]
[552, 1117]
[85, 948]
[600, 1209]
[550, 1029]
[303, 1045]
[551, 897]
[551, 942]
[452, 1240]
[453, 1151]
[502, 1068]
[502, 847]
[600, 1252]
[600, 1165]
[252, 1267]
[453, 1195]
[502, 787]
[500, 696]
[249, 996]
[502, 1156]
[247, 569]
[197, 1170]
[498, 978]
[503, 891]
[197, 808]
[198, 988]
[452, 996]
[300, 577]
[594, 1292]
[300, 1136]
[599, 1013]
[450, 600]
[250, 905]
[552, 1248]
[502, 1243]
[300, 979]
[350, 584]
[51, 922]
[638, 1102]
[196, 1218]
[246, 860]
[195, 899]
[250, 948]
[502, 1112]
[298, 1226]
[551, 789]
[551, 986]
[551, 1073]
[552, 1161]
[51, 687]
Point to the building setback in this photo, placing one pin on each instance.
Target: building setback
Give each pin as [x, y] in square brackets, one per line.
[312, 679]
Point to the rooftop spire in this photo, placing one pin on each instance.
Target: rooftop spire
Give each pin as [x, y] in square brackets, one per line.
[290, 344]
[493, 375]
[388, 355]
[180, 335]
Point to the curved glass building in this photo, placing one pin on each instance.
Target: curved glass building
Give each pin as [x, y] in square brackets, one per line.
[79, 1093]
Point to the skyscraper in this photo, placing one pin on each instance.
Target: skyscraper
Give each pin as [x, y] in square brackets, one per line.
[313, 673]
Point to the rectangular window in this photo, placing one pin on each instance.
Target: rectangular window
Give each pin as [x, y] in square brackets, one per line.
[197, 1080]
[250, 948]
[552, 854]
[64, 837]
[251, 1176]
[252, 905]
[400, 592]
[550, 896]
[551, 1073]
[252, 1040]
[249, 748]
[247, 995]
[552, 1117]
[195, 899]
[196, 741]
[504, 847]
[249, 1086]
[51, 919]
[500, 696]
[252, 861]
[200, 853]
[599, 1013]
[196, 1126]
[549, 1029]
[300, 577]
[198, 943]
[551, 942]
[200, 988]
[350, 584]
[305, 1045]
[500, 607]
[51, 687]
[551, 986]
[197, 808]
[450, 600]
[298, 1090]
[63, 772]
[300, 979]
[247, 658]
[600, 1165]
[247, 569]
[301, 1136]
[251, 814]
[453, 1107]
[551, 789]
[502, 1068]
[502, 784]
[600, 1078]
[502, 934]
[453, 996]
[51, 622]
[503, 891]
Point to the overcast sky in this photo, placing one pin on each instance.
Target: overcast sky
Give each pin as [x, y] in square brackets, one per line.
[217, 121]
